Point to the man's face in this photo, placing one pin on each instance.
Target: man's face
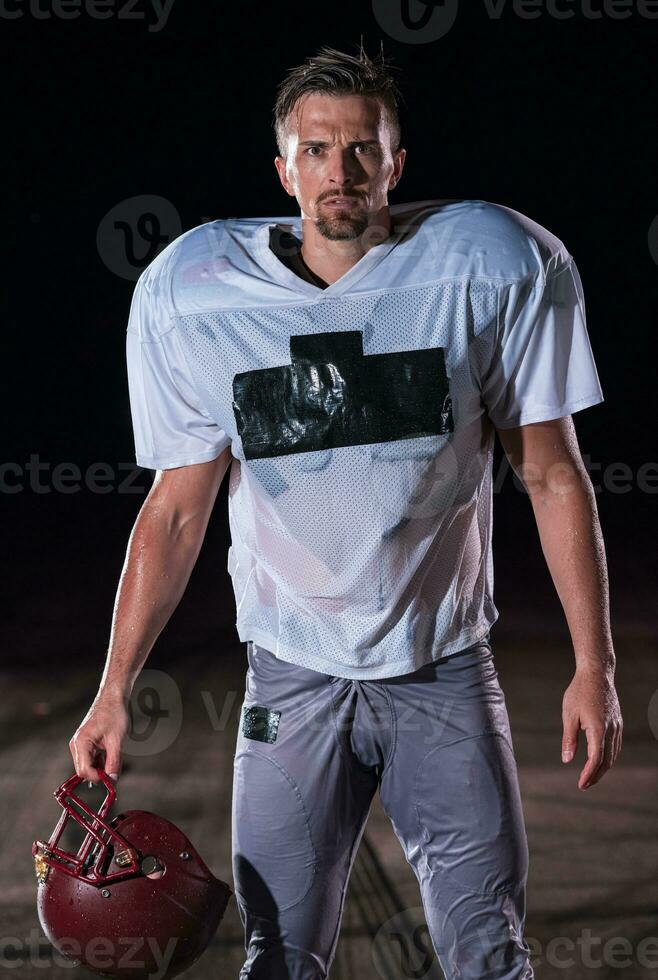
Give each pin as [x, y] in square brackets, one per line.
[339, 163]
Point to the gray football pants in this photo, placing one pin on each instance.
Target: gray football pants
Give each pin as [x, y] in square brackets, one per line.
[311, 751]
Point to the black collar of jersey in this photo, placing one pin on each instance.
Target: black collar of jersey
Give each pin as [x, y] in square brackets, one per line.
[287, 248]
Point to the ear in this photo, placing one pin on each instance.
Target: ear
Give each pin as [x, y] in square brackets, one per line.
[280, 164]
[398, 165]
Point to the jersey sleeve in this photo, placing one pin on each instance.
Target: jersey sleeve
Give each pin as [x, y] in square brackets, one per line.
[542, 366]
[171, 427]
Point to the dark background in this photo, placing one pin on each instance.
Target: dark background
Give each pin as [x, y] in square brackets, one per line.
[552, 117]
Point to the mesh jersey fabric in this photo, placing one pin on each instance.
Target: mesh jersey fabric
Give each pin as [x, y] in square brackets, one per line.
[360, 417]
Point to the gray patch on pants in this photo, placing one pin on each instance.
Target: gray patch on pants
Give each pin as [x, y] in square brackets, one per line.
[259, 723]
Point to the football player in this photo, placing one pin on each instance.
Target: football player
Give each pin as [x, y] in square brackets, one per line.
[352, 365]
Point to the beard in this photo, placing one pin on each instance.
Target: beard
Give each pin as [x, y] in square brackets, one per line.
[342, 227]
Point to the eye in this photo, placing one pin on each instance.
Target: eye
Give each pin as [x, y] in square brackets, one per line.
[363, 148]
[309, 150]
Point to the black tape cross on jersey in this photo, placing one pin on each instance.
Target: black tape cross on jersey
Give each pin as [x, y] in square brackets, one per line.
[332, 395]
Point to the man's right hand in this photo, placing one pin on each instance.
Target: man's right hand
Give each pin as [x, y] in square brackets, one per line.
[97, 741]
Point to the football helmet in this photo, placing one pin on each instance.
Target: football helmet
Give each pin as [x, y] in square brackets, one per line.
[135, 901]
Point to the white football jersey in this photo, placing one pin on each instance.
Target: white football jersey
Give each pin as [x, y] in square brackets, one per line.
[360, 417]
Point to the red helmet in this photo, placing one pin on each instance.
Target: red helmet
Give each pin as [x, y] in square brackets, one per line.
[135, 901]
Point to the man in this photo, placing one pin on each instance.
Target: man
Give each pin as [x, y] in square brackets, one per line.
[353, 365]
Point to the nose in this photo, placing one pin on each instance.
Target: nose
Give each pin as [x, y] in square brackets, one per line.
[341, 168]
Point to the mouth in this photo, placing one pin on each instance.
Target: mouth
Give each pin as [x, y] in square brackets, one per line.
[340, 201]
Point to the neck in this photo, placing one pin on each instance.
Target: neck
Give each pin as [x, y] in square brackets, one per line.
[329, 260]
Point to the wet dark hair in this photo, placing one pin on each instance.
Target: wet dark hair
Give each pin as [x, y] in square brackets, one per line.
[334, 72]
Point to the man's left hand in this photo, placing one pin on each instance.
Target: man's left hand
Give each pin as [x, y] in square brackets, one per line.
[590, 702]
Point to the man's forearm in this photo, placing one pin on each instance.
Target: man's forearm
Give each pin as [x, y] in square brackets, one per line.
[567, 519]
[158, 565]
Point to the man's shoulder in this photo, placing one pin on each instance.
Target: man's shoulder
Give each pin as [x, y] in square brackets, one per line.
[481, 238]
[201, 268]
[191, 252]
